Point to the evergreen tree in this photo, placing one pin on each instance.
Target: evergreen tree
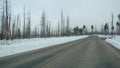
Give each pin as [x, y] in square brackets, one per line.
[106, 28]
[92, 27]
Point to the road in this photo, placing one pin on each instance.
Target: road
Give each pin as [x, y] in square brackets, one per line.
[91, 52]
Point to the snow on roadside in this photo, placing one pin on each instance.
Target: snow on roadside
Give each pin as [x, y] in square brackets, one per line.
[23, 45]
[104, 36]
[115, 41]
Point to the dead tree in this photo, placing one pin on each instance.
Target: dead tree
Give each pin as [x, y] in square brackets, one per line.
[3, 23]
[43, 25]
[62, 24]
[68, 27]
[29, 25]
[7, 28]
[24, 23]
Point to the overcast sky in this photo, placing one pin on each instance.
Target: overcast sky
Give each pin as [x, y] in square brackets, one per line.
[81, 12]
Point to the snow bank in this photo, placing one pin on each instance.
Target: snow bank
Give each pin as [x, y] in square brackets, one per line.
[104, 36]
[22, 45]
[115, 41]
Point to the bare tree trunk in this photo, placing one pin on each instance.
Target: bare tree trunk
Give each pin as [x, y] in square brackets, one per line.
[43, 25]
[13, 31]
[29, 25]
[62, 24]
[3, 24]
[58, 29]
[24, 33]
[68, 27]
[7, 22]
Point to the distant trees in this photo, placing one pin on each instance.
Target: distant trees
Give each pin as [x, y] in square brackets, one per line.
[112, 27]
[29, 25]
[92, 27]
[15, 27]
[3, 23]
[6, 21]
[13, 31]
[119, 17]
[118, 25]
[58, 29]
[43, 25]
[85, 31]
[11, 27]
[48, 29]
[78, 31]
[24, 23]
[62, 24]
[67, 27]
[117, 28]
[84, 27]
[106, 28]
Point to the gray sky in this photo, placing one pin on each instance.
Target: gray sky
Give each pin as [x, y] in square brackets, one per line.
[81, 12]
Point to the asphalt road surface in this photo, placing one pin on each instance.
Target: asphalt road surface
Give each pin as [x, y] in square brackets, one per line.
[91, 52]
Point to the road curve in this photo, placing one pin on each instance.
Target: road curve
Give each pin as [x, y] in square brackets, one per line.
[91, 52]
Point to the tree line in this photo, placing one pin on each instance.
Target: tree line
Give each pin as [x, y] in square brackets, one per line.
[16, 27]
[12, 27]
[106, 29]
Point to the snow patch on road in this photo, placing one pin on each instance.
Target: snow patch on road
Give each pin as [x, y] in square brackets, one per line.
[22, 45]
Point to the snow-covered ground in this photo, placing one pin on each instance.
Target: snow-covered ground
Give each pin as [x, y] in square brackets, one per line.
[22, 45]
[115, 41]
[104, 36]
